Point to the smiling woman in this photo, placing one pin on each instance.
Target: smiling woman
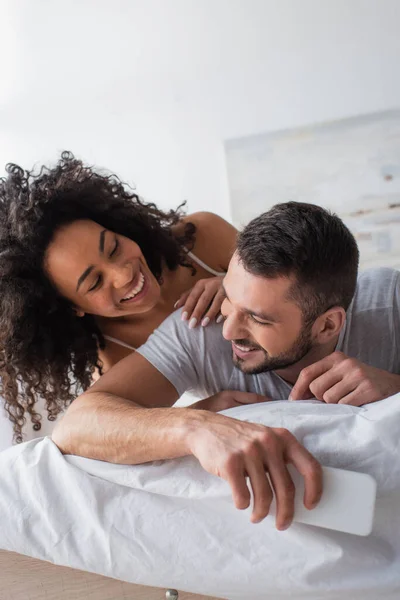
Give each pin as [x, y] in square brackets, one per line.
[87, 271]
[81, 271]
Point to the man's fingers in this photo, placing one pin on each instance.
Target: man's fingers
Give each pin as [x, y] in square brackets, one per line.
[356, 398]
[309, 468]
[262, 493]
[307, 395]
[320, 386]
[284, 491]
[338, 391]
[236, 477]
[301, 388]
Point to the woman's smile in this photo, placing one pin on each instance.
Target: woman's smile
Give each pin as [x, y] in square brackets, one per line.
[137, 290]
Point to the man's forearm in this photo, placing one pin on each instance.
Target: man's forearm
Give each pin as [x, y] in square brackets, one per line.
[106, 427]
[110, 428]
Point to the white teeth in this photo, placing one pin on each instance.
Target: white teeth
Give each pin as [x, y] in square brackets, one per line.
[243, 348]
[138, 288]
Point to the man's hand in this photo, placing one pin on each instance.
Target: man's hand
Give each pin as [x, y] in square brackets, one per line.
[234, 450]
[228, 399]
[338, 379]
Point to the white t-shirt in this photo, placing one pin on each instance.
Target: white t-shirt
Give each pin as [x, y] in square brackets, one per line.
[200, 360]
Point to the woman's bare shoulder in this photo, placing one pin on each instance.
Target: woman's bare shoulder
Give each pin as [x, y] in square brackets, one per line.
[215, 238]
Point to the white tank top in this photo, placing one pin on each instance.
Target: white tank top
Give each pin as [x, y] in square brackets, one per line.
[195, 259]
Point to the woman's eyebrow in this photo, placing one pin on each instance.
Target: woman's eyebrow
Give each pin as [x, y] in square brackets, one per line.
[83, 276]
[101, 240]
[90, 269]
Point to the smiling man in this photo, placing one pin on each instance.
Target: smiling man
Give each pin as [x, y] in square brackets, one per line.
[297, 323]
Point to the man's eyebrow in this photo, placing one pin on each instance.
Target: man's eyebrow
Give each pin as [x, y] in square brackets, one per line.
[83, 276]
[101, 240]
[259, 315]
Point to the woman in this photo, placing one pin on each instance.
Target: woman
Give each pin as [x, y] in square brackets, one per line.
[87, 271]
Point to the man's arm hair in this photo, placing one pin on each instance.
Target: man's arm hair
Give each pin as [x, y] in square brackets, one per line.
[116, 419]
[106, 426]
[116, 430]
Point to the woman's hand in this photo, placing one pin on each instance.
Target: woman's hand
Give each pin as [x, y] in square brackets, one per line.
[202, 303]
[228, 399]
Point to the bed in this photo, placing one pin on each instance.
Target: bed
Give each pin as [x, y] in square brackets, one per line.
[172, 525]
[25, 578]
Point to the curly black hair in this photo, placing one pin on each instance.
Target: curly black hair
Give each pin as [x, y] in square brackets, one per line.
[46, 351]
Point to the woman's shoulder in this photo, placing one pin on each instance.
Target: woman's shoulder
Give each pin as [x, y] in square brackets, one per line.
[206, 219]
[215, 238]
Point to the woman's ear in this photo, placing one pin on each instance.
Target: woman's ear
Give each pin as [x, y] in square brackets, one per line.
[79, 312]
[328, 325]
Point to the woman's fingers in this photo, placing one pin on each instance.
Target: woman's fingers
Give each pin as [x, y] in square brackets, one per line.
[191, 301]
[215, 307]
[203, 302]
[181, 300]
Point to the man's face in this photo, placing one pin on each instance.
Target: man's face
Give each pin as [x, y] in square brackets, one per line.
[265, 327]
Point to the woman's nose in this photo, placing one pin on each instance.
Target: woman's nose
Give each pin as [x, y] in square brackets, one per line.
[122, 275]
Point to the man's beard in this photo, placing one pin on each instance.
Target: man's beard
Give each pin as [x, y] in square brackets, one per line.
[294, 354]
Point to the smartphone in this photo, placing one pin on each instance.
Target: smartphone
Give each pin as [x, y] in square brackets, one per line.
[347, 503]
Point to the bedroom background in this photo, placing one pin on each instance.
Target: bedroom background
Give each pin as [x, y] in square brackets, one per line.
[152, 89]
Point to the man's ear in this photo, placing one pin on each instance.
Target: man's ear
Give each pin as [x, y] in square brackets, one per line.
[79, 312]
[328, 325]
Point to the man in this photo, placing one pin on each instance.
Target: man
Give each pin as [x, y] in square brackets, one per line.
[288, 287]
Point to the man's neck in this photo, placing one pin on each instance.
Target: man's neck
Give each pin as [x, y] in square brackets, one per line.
[290, 374]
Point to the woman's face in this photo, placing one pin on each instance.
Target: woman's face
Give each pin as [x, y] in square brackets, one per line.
[100, 272]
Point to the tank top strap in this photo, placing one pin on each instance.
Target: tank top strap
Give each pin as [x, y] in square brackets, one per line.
[120, 342]
[206, 267]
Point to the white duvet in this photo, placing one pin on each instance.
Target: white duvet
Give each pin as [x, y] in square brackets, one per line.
[170, 524]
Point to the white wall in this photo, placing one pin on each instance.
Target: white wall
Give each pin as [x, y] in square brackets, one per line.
[150, 88]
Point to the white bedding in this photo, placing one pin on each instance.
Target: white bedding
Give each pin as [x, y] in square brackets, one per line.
[170, 524]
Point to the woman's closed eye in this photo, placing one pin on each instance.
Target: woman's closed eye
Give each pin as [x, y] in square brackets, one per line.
[96, 284]
[115, 249]
[99, 279]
